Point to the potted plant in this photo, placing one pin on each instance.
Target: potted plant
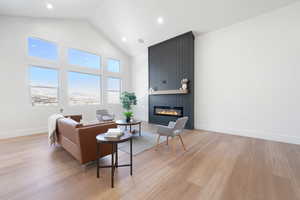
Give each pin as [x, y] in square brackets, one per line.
[128, 99]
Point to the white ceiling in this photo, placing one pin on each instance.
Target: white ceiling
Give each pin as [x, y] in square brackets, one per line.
[74, 9]
[136, 19]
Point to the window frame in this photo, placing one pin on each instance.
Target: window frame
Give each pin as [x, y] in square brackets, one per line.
[30, 86]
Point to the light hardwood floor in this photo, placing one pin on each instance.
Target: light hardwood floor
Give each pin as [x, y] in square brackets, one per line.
[214, 167]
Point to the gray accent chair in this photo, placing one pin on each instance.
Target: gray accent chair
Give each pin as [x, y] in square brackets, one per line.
[172, 130]
[103, 115]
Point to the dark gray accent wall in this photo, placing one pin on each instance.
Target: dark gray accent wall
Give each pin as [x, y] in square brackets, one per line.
[169, 62]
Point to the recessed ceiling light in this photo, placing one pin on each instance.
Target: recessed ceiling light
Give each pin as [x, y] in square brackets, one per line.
[124, 39]
[160, 20]
[49, 6]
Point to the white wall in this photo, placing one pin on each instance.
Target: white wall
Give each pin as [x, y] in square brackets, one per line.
[139, 83]
[18, 117]
[248, 77]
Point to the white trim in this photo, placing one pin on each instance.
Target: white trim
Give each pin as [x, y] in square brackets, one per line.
[22, 132]
[254, 134]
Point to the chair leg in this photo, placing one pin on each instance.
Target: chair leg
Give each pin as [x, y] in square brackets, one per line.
[173, 145]
[167, 140]
[157, 142]
[182, 142]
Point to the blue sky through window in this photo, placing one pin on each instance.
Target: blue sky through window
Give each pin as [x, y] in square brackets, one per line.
[84, 59]
[81, 83]
[113, 65]
[43, 77]
[42, 49]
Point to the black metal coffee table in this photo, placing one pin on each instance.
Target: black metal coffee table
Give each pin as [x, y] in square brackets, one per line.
[114, 147]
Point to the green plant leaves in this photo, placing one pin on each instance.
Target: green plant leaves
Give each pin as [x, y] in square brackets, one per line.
[128, 99]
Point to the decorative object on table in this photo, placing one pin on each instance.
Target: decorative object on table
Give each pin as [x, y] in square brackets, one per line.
[184, 84]
[128, 99]
[151, 90]
[172, 130]
[114, 149]
[130, 124]
[103, 115]
[113, 133]
[128, 115]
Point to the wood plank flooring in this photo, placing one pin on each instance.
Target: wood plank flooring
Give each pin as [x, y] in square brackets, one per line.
[214, 167]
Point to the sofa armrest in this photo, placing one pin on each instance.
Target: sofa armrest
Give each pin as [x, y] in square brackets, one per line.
[67, 128]
[87, 140]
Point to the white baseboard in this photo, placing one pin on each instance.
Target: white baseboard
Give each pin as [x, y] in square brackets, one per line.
[21, 132]
[254, 134]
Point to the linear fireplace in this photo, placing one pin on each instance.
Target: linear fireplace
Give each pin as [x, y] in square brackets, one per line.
[168, 111]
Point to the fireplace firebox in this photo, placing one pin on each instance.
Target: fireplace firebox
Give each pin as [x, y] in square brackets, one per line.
[168, 111]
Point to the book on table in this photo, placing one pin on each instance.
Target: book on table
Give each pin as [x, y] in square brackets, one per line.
[113, 133]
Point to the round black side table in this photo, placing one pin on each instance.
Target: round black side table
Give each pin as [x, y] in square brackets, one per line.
[114, 148]
[130, 124]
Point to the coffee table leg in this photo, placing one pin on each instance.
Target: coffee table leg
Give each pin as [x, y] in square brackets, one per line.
[97, 157]
[116, 155]
[131, 156]
[140, 129]
[130, 128]
[112, 165]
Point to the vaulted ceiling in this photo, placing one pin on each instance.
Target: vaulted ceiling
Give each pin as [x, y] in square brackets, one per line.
[137, 19]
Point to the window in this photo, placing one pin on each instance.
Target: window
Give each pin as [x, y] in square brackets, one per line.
[84, 59]
[113, 90]
[113, 65]
[84, 77]
[84, 89]
[43, 86]
[42, 49]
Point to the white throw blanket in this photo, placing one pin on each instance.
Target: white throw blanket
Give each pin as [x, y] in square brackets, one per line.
[52, 136]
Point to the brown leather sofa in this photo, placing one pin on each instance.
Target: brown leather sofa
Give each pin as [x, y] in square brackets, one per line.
[80, 140]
